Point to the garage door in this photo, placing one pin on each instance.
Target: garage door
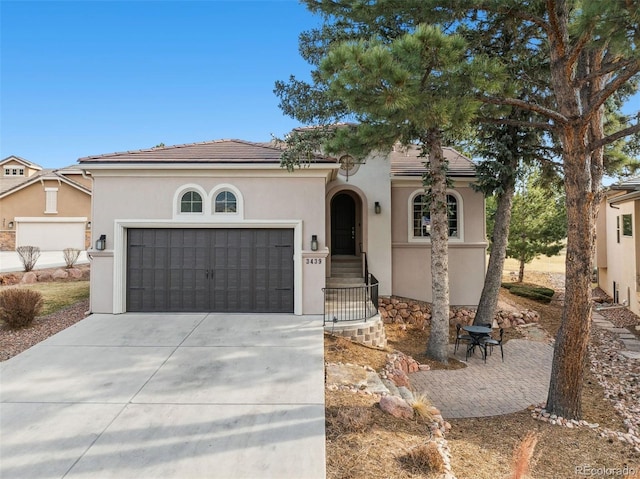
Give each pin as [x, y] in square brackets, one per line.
[221, 270]
[51, 234]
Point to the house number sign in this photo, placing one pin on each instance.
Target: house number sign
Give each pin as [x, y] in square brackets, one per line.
[314, 260]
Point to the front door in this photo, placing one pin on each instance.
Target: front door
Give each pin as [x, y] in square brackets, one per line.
[343, 225]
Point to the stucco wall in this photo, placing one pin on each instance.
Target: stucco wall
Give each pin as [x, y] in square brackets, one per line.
[371, 183]
[269, 197]
[621, 256]
[29, 202]
[467, 256]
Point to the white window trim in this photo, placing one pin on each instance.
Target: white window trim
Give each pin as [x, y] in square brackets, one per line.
[177, 200]
[51, 201]
[238, 215]
[413, 239]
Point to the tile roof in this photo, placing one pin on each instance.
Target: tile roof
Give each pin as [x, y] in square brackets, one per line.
[407, 162]
[218, 151]
[404, 161]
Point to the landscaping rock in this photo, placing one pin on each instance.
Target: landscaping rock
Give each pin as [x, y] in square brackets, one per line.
[60, 274]
[29, 278]
[396, 406]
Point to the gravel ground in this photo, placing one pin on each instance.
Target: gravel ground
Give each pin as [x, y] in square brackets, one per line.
[13, 342]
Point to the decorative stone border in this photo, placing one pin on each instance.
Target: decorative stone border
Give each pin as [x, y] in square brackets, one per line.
[395, 309]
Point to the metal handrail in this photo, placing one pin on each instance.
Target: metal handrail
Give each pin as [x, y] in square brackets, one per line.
[357, 303]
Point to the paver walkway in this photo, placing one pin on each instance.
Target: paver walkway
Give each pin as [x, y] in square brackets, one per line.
[490, 389]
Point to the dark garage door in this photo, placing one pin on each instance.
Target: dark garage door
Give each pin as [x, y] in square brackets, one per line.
[221, 270]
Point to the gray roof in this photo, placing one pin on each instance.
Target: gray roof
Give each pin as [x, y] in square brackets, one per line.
[218, 151]
[407, 162]
[630, 184]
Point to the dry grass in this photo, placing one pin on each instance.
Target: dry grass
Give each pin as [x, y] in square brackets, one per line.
[481, 448]
[59, 295]
[424, 458]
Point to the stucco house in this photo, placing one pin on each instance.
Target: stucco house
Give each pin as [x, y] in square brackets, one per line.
[617, 246]
[221, 226]
[40, 207]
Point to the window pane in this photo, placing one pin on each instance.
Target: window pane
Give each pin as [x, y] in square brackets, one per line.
[422, 217]
[191, 202]
[225, 202]
[627, 228]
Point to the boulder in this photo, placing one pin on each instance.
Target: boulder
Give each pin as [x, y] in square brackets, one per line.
[75, 273]
[396, 406]
[60, 274]
[29, 278]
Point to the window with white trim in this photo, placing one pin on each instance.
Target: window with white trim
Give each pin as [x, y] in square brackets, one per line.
[191, 202]
[422, 218]
[14, 172]
[51, 200]
[225, 202]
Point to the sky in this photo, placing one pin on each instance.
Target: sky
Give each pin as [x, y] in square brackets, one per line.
[80, 78]
[88, 77]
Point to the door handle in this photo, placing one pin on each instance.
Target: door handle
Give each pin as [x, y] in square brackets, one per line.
[353, 232]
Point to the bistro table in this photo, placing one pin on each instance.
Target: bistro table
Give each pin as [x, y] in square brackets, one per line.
[477, 333]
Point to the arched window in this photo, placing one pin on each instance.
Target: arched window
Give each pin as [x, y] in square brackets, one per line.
[191, 202]
[422, 217]
[226, 202]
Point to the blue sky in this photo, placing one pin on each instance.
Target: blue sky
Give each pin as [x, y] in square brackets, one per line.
[87, 77]
[80, 78]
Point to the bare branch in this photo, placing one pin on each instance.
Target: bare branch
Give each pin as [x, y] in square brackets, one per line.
[615, 136]
[605, 70]
[551, 114]
[601, 97]
[525, 124]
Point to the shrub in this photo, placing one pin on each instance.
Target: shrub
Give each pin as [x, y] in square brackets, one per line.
[424, 458]
[28, 255]
[537, 293]
[531, 294]
[423, 407]
[70, 256]
[19, 307]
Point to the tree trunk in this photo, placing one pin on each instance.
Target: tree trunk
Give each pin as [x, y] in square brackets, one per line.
[489, 298]
[567, 372]
[438, 344]
[521, 271]
[583, 174]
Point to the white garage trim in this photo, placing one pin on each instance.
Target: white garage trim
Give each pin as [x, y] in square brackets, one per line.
[120, 251]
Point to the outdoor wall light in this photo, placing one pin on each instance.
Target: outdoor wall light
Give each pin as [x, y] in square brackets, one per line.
[10, 224]
[314, 242]
[88, 225]
[377, 208]
[101, 243]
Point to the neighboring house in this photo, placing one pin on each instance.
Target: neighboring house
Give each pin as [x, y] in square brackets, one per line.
[617, 244]
[221, 226]
[47, 208]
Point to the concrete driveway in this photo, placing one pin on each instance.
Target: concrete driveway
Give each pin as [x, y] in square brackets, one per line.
[167, 396]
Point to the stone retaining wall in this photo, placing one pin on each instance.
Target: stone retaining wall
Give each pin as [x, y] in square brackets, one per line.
[395, 309]
[371, 332]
